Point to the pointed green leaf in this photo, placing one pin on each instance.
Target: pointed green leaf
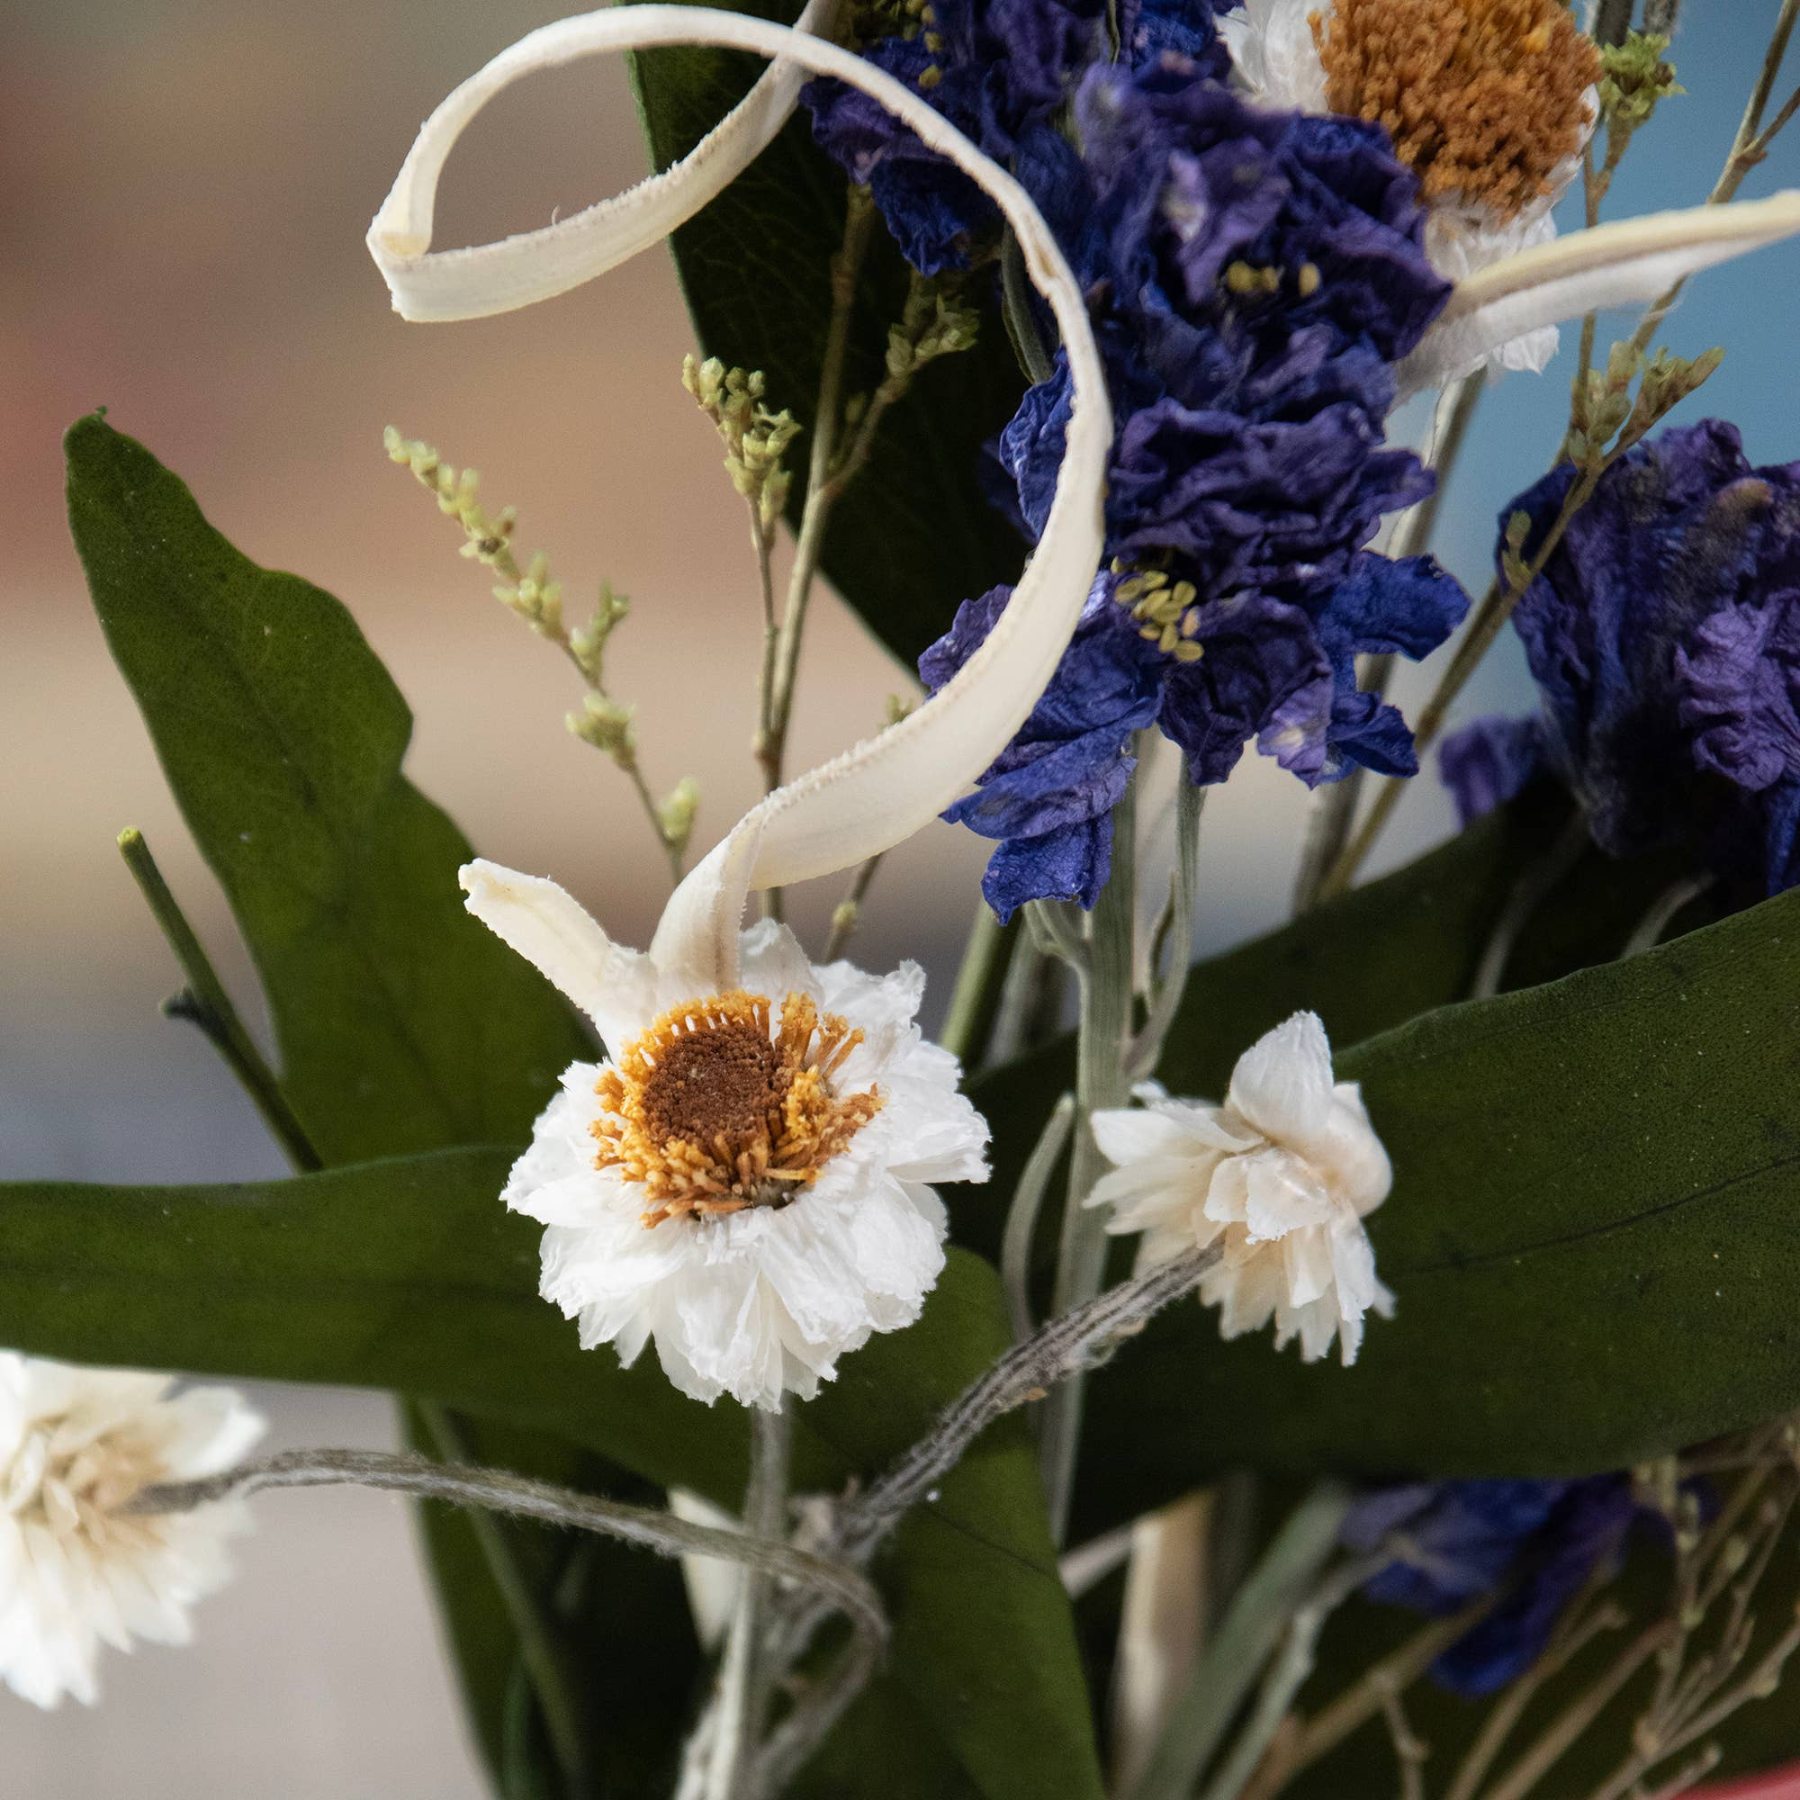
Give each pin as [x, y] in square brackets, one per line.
[1592, 1238]
[402, 1023]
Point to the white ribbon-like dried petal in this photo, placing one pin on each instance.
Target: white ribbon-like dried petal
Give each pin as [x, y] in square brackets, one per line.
[881, 792]
[1628, 263]
[493, 278]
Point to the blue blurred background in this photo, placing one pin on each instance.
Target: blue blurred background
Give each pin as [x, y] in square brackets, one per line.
[183, 190]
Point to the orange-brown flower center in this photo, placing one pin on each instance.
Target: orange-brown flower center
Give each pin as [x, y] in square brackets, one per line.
[1482, 97]
[718, 1107]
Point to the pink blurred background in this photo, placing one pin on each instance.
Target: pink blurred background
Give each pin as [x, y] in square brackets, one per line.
[185, 188]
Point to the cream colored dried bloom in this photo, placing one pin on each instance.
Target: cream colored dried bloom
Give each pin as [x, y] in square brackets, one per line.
[78, 1570]
[746, 1181]
[1489, 103]
[1281, 1177]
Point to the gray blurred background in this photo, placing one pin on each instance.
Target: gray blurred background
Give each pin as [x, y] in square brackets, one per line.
[184, 185]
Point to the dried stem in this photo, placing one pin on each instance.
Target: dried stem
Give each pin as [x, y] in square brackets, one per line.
[744, 1674]
[823, 486]
[1102, 1049]
[849, 909]
[1528, 894]
[205, 1003]
[1334, 807]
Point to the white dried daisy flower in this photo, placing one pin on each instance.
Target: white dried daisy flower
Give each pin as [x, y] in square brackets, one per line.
[746, 1179]
[77, 1569]
[1281, 1177]
[1490, 103]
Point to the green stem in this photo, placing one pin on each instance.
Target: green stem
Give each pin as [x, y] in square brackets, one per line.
[821, 492]
[744, 1676]
[206, 1004]
[540, 1652]
[1254, 1625]
[975, 1000]
[1101, 1082]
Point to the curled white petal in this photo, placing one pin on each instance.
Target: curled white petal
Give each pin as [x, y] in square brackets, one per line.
[1628, 263]
[1281, 1176]
[553, 932]
[873, 796]
[538, 265]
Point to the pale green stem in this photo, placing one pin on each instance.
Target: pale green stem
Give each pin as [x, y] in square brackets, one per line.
[1258, 1616]
[540, 1653]
[743, 1676]
[1101, 1082]
[205, 1003]
[1022, 1216]
[979, 979]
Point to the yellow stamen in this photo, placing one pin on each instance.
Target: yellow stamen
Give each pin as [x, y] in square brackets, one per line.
[719, 1106]
[1484, 98]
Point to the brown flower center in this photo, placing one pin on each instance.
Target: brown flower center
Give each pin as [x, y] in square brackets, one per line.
[711, 1111]
[1482, 97]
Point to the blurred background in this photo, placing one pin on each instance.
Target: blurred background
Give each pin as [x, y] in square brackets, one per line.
[184, 185]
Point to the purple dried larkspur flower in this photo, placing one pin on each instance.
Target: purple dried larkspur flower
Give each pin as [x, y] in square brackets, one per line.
[1534, 1544]
[1664, 635]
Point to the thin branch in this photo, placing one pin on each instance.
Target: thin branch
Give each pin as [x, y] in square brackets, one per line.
[205, 1003]
[1147, 1046]
[744, 1675]
[1528, 893]
[1022, 1215]
[541, 1652]
[1661, 915]
[1363, 1699]
[1410, 1751]
[1334, 808]
[1289, 1673]
[839, 1588]
[849, 909]
[1102, 1043]
[1259, 1614]
[821, 492]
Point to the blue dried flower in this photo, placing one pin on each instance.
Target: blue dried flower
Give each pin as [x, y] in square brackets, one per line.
[1664, 635]
[1049, 797]
[1488, 762]
[1252, 276]
[1534, 1543]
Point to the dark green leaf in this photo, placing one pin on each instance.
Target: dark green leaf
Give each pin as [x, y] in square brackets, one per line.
[403, 1024]
[913, 537]
[407, 1275]
[1591, 1237]
[633, 1668]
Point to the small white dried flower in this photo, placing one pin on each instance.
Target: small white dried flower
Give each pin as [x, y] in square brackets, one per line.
[1281, 1176]
[745, 1180]
[78, 1569]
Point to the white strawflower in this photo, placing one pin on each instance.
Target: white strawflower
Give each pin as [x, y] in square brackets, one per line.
[1281, 1177]
[745, 1179]
[77, 1570]
[1491, 102]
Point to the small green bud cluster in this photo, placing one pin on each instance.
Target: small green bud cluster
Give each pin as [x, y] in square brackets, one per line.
[1633, 79]
[1512, 553]
[676, 814]
[933, 323]
[606, 724]
[755, 439]
[587, 643]
[1605, 419]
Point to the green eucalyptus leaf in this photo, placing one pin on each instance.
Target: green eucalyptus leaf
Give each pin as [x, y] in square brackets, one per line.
[402, 1023]
[1592, 1240]
[912, 536]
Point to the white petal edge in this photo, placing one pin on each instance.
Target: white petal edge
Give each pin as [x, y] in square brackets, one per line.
[881, 792]
[538, 265]
[1629, 263]
[552, 930]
